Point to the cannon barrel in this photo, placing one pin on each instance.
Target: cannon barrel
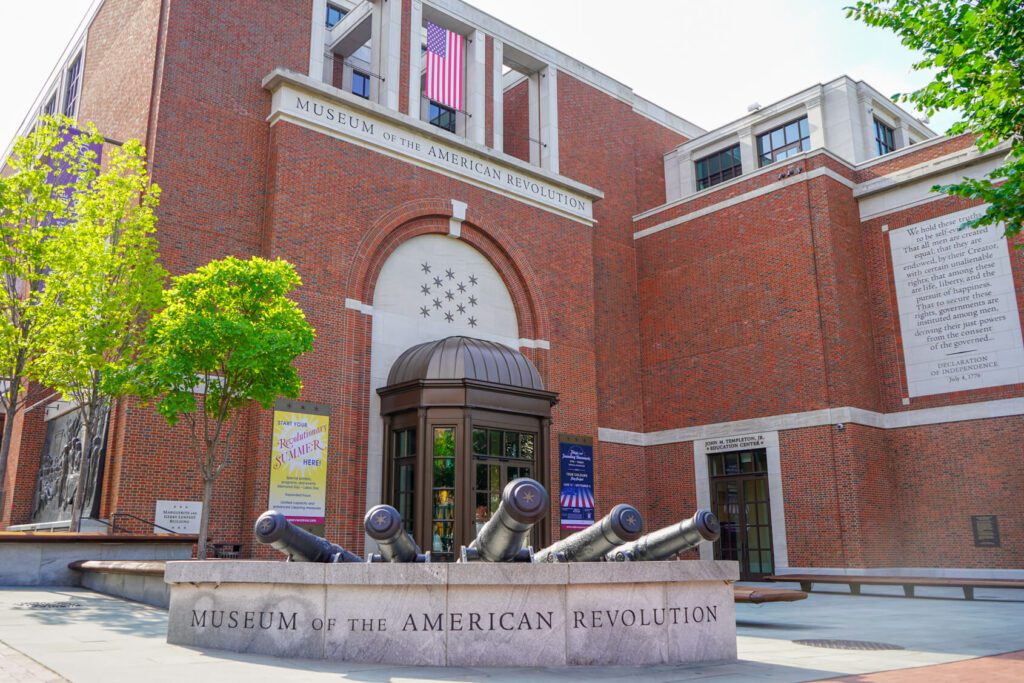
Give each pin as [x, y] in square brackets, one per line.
[298, 544]
[624, 523]
[383, 524]
[664, 543]
[524, 502]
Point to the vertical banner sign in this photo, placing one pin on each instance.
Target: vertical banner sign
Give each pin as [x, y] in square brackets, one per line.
[298, 462]
[576, 474]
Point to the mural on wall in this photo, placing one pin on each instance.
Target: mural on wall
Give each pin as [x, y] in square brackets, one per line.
[60, 469]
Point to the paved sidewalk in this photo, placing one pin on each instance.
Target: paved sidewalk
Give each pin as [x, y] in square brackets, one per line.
[92, 637]
[1008, 668]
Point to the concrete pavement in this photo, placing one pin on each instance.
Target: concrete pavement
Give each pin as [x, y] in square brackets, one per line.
[46, 634]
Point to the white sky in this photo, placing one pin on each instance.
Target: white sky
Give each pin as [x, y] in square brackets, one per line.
[705, 61]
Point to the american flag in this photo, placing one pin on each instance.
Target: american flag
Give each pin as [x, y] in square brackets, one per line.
[574, 496]
[444, 66]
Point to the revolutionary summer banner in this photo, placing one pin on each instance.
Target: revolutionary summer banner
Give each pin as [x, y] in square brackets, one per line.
[298, 462]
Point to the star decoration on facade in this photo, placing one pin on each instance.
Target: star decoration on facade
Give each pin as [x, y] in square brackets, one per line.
[447, 295]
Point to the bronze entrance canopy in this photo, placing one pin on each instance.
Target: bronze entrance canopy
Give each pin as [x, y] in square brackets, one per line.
[462, 417]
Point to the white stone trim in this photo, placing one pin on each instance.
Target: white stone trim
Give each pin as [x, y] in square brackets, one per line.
[921, 572]
[534, 344]
[746, 196]
[58, 408]
[776, 500]
[317, 39]
[356, 305]
[982, 410]
[458, 216]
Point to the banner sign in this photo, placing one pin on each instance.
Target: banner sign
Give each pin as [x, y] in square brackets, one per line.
[576, 474]
[298, 462]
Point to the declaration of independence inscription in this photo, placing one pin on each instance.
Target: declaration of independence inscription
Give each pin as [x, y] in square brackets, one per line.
[958, 310]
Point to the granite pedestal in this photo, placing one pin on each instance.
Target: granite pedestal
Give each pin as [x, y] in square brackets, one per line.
[477, 614]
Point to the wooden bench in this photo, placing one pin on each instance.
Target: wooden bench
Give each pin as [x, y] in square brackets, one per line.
[909, 583]
[758, 596]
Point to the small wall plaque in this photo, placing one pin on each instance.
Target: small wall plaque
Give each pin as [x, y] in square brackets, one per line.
[986, 531]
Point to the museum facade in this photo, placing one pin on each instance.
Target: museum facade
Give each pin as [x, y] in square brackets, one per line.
[776, 319]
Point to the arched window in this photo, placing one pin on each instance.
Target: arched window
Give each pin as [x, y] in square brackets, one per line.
[462, 418]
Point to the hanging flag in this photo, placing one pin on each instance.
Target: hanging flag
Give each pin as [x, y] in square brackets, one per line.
[444, 66]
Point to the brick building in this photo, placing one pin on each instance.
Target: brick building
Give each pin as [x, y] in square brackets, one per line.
[776, 319]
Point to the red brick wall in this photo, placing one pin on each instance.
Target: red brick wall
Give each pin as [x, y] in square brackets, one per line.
[516, 121]
[946, 473]
[119, 61]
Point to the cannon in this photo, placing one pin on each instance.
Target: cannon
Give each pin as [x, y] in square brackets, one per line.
[664, 543]
[621, 525]
[383, 524]
[524, 502]
[298, 544]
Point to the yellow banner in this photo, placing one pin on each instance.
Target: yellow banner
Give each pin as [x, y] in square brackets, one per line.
[298, 466]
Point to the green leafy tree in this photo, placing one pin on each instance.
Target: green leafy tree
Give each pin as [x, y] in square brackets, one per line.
[45, 172]
[229, 330]
[103, 285]
[975, 48]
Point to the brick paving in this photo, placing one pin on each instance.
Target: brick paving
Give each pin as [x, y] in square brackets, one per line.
[1008, 667]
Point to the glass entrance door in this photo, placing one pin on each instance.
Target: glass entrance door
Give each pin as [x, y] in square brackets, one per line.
[499, 456]
[739, 497]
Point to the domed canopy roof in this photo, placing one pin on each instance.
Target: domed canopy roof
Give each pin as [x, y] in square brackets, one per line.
[455, 358]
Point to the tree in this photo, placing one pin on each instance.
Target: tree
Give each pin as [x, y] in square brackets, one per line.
[976, 50]
[228, 330]
[103, 284]
[47, 170]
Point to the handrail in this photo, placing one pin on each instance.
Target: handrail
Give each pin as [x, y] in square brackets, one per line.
[113, 523]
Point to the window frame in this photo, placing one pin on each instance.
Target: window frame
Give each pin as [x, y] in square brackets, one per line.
[365, 79]
[734, 171]
[72, 84]
[342, 13]
[435, 119]
[885, 137]
[787, 148]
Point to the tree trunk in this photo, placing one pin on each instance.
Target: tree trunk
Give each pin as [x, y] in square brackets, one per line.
[204, 518]
[5, 443]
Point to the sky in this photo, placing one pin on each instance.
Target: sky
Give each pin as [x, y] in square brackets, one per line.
[705, 61]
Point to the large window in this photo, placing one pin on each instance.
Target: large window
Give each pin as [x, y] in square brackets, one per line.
[361, 84]
[334, 15]
[442, 116]
[74, 75]
[50, 108]
[884, 138]
[783, 142]
[718, 167]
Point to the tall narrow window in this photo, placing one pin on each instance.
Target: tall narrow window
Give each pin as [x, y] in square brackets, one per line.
[783, 142]
[404, 449]
[884, 138]
[361, 84]
[442, 117]
[50, 108]
[74, 75]
[443, 508]
[334, 15]
[718, 167]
